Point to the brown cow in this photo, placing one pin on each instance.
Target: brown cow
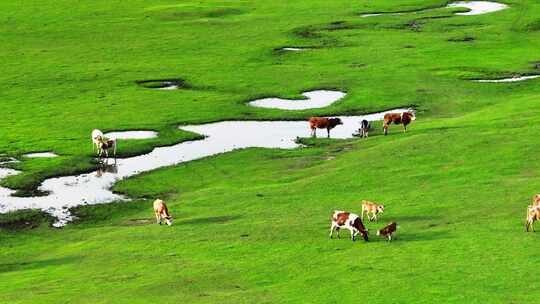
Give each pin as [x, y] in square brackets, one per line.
[323, 123]
[162, 212]
[403, 118]
[350, 221]
[388, 230]
[533, 215]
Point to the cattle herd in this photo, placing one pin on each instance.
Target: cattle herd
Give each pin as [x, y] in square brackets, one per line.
[339, 219]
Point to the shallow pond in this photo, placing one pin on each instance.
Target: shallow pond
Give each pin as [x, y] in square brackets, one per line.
[510, 79]
[475, 8]
[314, 99]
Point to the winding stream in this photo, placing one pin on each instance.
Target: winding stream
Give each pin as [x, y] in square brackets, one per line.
[221, 137]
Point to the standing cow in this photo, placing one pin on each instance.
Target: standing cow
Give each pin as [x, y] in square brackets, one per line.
[323, 123]
[350, 221]
[364, 128]
[403, 118]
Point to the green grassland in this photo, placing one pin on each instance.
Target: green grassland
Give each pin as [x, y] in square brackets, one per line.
[252, 225]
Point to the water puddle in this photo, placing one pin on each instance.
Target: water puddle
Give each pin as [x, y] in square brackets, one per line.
[163, 84]
[132, 134]
[314, 99]
[475, 8]
[511, 79]
[293, 49]
[478, 7]
[40, 155]
[221, 137]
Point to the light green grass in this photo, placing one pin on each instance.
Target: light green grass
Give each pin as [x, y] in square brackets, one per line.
[252, 225]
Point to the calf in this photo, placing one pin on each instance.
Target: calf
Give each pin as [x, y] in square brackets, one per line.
[388, 230]
[364, 128]
[373, 208]
[162, 212]
[323, 123]
[533, 215]
[350, 221]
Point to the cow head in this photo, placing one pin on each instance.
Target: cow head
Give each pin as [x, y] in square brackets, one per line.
[364, 234]
[168, 220]
[412, 114]
[380, 209]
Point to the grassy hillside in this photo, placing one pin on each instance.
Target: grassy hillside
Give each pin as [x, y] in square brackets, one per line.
[252, 225]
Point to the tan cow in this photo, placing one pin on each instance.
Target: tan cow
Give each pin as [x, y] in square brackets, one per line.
[373, 208]
[162, 212]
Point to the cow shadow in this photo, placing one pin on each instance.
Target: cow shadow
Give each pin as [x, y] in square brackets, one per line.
[423, 236]
[209, 220]
[31, 265]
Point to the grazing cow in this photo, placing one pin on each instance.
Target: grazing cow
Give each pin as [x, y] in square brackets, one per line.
[104, 145]
[162, 212]
[388, 230]
[364, 128]
[350, 221]
[533, 215]
[97, 135]
[373, 208]
[403, 118]
[323, 123]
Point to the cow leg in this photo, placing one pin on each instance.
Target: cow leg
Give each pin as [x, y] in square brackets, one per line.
[328, 132]
[389, 237]
[332, 227]
[158, 219]
[385, 129]
[337, 229]
[314, 132]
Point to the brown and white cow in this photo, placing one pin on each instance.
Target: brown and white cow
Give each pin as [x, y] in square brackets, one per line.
[373, 208]
[388, 230]
[323, 123]
[104, 145]
[403, 118]
[350, 221]
[162, 212]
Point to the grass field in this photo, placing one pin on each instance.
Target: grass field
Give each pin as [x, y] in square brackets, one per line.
[252, 225]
